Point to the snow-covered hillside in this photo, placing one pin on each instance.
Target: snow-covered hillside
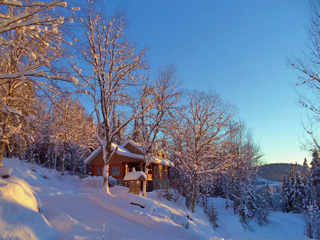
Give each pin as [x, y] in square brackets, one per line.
[66, 212]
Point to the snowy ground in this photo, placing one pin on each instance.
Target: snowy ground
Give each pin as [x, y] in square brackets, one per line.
[67, 212]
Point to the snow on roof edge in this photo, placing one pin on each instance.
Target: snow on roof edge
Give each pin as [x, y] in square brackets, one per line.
[161, 161]
[135, 144]
[124, 152]
[92, 155]
[121, 151]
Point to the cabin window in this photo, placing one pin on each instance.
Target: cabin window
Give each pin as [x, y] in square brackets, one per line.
[115, 171]
[150, 175]
[98, 170]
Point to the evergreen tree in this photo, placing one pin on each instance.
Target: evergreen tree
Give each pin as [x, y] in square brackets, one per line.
[315, 174]
[285, 193]
[308, 194]
[296, 194]
[268, 197]
[296, 186]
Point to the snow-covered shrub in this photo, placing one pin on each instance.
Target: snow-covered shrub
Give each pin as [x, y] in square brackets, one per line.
[44, 175]
[171, 195]
[261, 216]
[213, 215]
[243, 215]
[312, 219]
[263, 202]
[277, 206]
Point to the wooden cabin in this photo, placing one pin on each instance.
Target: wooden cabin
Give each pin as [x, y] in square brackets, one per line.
[131, 155]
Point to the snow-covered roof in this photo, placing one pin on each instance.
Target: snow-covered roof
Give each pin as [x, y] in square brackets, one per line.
[124, 152]
[135, 144]
[134, 176]
[92, 155]
[161, 161]
[121, 151]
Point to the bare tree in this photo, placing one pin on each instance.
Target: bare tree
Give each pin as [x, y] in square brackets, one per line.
[28, 14]
[246, 156]
[17, 100]
[34, 30]
[164, 95]
[308, 85]
[199, 134]
[69, 130]
[30, 43]
[116, 66]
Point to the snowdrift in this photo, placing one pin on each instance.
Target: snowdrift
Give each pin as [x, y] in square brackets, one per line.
[5, 172]
[19, 212]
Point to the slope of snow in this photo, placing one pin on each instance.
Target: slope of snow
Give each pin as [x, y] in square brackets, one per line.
[19, 212]
[68, 213]
[284, 226]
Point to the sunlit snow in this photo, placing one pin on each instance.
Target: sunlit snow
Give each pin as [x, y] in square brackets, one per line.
[67, 212]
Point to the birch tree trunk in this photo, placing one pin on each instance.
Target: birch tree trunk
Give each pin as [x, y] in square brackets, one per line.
[146, 169]
[106, 179]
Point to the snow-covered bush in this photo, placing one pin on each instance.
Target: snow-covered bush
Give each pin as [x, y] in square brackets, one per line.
[213, 215]
[276, 202]
[44, 175]
[250, 204]
[171, 195]
[262, 213]
[243, 214]
[312, 219]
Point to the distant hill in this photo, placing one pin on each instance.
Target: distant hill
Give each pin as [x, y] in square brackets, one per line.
[274, 171]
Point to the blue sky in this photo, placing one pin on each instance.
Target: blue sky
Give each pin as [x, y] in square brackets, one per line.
[237, 48]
